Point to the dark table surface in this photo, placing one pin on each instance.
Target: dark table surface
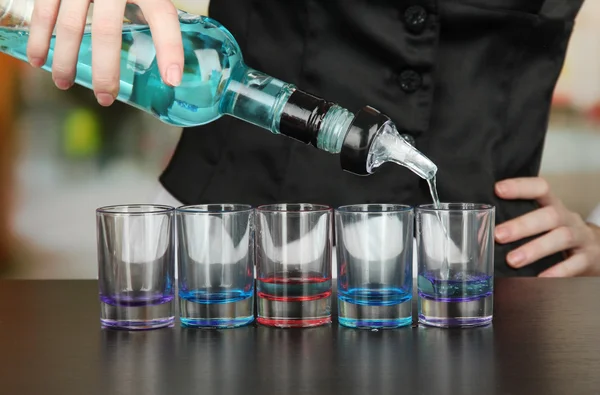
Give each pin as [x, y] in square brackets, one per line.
[545, 339]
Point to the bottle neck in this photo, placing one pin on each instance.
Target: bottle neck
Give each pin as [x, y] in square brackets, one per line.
[279, 107]
[255, 97]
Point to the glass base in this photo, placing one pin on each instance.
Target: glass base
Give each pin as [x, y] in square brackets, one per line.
[217, 323]
[294, 314]
[458, 314]
[216, 315]
[455, 322]
[138, 325]
[375, 316]
[137, 317]
[287, 323]
[375, 324]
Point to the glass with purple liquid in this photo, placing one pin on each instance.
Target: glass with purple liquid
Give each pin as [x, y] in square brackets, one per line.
[455, 251]
[136, 266]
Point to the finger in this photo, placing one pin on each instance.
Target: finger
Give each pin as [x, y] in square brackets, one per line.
[107, 26]
[531, 224]
[558, 240]
[166, 32]
[574, 266]
[69, 31]
[526, 188]
[43, 20]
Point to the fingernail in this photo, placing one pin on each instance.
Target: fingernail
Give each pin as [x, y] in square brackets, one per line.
[36, 62]
[501, 187]
[515, 258]
[501, 233]
[174, 75]
[105, 99]
[63, 84]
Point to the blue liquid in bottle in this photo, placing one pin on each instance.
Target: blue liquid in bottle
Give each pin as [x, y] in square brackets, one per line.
[215, 79]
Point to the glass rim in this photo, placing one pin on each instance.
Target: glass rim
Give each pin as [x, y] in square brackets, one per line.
[300, 208]
[205, 208]
[151, 209]
[395, 208]
[455, 207]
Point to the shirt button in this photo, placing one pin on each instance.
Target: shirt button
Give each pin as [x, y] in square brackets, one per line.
[409, 139]
[415, 17]
[410, 81]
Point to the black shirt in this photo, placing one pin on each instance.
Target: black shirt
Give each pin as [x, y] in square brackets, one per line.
[470, 80]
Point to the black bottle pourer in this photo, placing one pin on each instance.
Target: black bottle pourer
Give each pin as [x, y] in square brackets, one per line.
[304, 114]
[357, 144]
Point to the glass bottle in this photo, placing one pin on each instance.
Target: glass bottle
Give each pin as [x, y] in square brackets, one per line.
[217, 82]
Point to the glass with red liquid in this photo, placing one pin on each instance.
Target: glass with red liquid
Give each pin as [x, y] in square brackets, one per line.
[293, 258]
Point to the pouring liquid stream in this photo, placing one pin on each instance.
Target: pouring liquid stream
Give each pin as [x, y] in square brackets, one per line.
[390, 146]
[445, 269]
[434, 193]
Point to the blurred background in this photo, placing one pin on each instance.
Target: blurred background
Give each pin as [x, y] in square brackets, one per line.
[62, 156]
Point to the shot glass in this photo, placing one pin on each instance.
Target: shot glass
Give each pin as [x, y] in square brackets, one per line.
[216, 265]
[293, 260]
[374, 247]
[135, 266]
[455, 250]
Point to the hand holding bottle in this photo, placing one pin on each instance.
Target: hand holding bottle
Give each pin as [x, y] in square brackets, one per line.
[69, 18]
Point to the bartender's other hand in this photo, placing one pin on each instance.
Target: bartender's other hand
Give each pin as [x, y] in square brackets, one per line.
[69, 19]
[557, 228]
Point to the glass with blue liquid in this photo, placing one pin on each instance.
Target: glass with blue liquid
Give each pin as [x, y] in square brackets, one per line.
[374, 250]
[455, 250]
[136, 264]
[216, 265]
